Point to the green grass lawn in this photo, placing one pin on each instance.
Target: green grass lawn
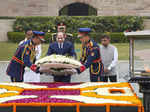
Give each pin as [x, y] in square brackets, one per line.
[7, 50]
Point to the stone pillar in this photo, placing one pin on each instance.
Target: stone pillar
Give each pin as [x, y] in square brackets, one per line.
[5, 26]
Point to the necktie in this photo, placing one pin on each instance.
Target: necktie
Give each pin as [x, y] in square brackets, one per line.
[61, 45]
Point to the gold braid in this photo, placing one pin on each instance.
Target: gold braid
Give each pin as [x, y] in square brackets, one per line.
[92, 70]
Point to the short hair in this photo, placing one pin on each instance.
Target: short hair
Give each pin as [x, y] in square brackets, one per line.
[61, 33]
[105, 36]
[27, 30]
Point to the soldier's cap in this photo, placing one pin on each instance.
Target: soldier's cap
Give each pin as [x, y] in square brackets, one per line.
[61, 24]
[39, 34]
[84, 30]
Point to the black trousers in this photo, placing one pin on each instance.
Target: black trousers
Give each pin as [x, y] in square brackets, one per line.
[111, 78]
[16, 79]
[97, 67]
[62, 78]
[94, 78]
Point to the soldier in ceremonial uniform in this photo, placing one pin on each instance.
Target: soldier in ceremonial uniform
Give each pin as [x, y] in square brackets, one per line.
[29, 75]
[61, 47]
[83, 56]
[90, 55]
[28, 35]
[24, 57]
[61, 27]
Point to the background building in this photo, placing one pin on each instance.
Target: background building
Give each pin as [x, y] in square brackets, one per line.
[74, 7]
[13, 8]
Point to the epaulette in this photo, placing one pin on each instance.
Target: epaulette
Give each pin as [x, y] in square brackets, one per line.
[69, 34]
[91, 44]
[96, 47]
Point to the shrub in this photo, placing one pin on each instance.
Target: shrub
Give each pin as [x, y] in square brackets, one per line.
[7, 17]
[98, 24]
[19, 36]
[116, 37]
[15, 36]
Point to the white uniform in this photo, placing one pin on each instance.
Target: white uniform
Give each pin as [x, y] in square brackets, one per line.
[29, 75]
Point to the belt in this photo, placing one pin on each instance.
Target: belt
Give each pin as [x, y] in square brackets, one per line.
[97, 60]
[18, 60]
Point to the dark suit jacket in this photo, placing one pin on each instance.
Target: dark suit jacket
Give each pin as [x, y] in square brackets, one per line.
[68, 49]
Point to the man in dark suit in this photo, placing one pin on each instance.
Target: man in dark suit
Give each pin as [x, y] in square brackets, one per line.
[61, 47]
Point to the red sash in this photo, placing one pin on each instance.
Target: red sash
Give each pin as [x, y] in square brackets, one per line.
[18, 60]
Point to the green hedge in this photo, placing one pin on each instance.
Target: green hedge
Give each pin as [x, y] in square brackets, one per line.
[99, 24]
[15, 36]
[115, 37]
[19, 36]
[7, 17]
